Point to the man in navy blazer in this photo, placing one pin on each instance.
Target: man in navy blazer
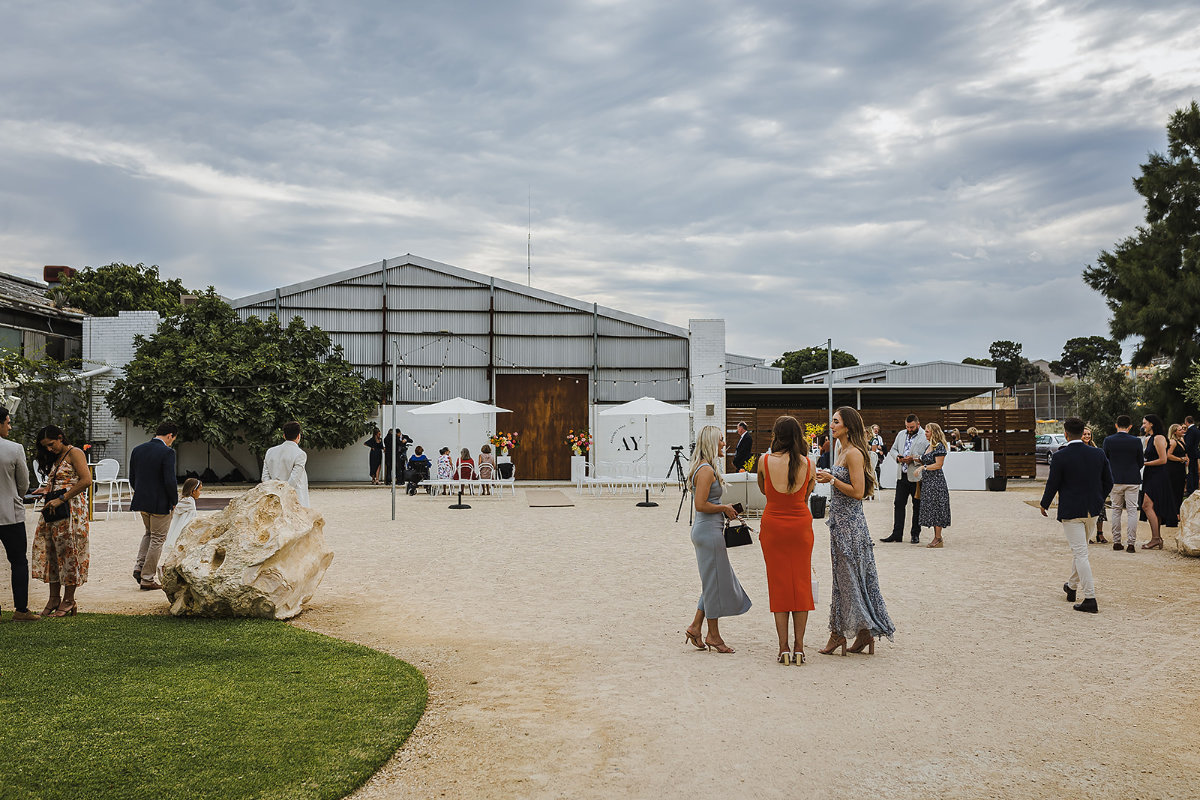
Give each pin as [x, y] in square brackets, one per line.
[1080, 476]
[155, 494]
[1125, 459]
[1191, 443]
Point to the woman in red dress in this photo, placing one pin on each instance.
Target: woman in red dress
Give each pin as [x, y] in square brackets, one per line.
[785, 476]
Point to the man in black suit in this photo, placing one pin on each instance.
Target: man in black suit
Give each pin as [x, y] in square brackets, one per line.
[1080, 476]
[1191, 442]
[1125, 459]
[745, 448]
[155, 494]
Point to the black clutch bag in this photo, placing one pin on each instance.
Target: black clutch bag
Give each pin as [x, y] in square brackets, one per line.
[737, 533]
[57, 513]
[816, 504]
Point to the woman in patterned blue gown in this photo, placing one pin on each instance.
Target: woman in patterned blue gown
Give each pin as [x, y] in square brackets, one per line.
[857, 606]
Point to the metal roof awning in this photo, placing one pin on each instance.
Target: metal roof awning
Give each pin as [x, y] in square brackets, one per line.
[858, 395]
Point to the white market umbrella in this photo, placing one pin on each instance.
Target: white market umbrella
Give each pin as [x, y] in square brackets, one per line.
[459, 407]
[644, 407]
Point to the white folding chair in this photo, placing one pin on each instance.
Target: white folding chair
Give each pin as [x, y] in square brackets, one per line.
[511, 481]
[485, 475]
[107, 474]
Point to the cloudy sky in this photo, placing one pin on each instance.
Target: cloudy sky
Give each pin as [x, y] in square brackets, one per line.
[914, 180]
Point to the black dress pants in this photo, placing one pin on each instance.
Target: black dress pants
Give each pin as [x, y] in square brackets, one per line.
[904, 490]
[15, 543]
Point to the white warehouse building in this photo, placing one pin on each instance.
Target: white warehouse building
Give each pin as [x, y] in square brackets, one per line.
[554, 361]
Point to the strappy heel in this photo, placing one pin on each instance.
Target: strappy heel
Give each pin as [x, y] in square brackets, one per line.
[719, 647]
[694, 640]
[785, 658]
[798, 658]
[868, 643]
[70, 612]
[835, 641]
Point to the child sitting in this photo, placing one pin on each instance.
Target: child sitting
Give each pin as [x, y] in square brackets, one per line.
[185, 512]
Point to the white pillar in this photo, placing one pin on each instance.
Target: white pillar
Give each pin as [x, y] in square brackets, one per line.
[707, 373]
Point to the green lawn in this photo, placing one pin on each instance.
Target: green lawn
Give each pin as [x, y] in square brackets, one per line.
[103, 706]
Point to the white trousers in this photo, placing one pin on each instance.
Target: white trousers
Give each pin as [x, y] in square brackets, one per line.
[1078, 531]
[1124, 496]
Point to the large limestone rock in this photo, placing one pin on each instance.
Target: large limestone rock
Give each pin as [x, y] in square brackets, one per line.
[1187, 535]
[263, 556]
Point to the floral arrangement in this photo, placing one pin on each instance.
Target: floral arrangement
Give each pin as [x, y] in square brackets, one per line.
[812, 430]
[750, 463]
[580, 442]
[504, 441]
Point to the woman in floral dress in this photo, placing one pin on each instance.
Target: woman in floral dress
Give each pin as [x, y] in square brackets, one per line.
[935, 492]
[60, 549]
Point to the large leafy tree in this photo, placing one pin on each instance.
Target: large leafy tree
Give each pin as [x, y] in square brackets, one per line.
[229, 382]
[49, 394]
[1151, 280]
[1102, 394]
[1012, 368]
[104, 291]
[798, 363]
[1082, 352]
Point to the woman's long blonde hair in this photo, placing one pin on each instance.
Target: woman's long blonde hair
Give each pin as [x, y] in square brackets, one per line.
[856, 436]
[936, 436]
[708, 451]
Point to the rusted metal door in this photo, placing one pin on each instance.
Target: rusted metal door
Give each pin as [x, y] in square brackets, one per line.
[544, 409]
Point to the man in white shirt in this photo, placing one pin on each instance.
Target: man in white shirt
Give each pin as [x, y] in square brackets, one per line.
[286, 462]
[910, 444]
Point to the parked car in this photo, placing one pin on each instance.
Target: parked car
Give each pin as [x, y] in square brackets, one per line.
[1046, 445]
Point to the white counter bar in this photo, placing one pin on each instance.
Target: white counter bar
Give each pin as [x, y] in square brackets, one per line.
[964, 470]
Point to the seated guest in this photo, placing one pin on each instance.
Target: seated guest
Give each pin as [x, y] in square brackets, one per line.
[486, 467]
[466, 465]
[418, 470]
[445, 468]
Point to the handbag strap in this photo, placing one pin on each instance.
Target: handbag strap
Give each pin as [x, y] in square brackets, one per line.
[59, 463]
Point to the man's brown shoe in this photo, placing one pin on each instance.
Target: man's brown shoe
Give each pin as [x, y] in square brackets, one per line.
[150, 586]
[25, 616]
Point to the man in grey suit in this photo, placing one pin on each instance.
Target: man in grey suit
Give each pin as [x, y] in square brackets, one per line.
[1125, 459]
[14, 482]
[286, 462]
[909, 445]
[155, 495]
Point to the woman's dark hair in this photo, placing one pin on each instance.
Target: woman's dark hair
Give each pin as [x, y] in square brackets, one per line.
[44, 457]
[788, 437]
[1157, 424]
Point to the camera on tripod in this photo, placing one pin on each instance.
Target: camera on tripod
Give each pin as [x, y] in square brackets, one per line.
[677, 448]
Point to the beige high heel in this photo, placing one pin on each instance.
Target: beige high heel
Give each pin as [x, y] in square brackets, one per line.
[860, 643]
[835, 641]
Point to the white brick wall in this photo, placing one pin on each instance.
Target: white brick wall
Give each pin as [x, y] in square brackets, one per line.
[108, 342]
[707, 365]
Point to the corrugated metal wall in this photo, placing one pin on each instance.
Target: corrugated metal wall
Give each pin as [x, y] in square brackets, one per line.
[453, 334]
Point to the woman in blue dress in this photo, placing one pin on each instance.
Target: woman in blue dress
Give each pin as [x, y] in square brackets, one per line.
[721, 595]
[857, 608]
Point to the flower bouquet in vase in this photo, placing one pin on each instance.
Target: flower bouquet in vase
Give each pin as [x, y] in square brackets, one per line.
[503, 442]
[580, 442]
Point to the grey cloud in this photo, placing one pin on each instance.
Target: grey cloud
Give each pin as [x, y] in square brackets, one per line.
[681, 159]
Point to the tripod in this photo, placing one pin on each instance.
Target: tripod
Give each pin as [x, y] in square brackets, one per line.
[676, 469]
